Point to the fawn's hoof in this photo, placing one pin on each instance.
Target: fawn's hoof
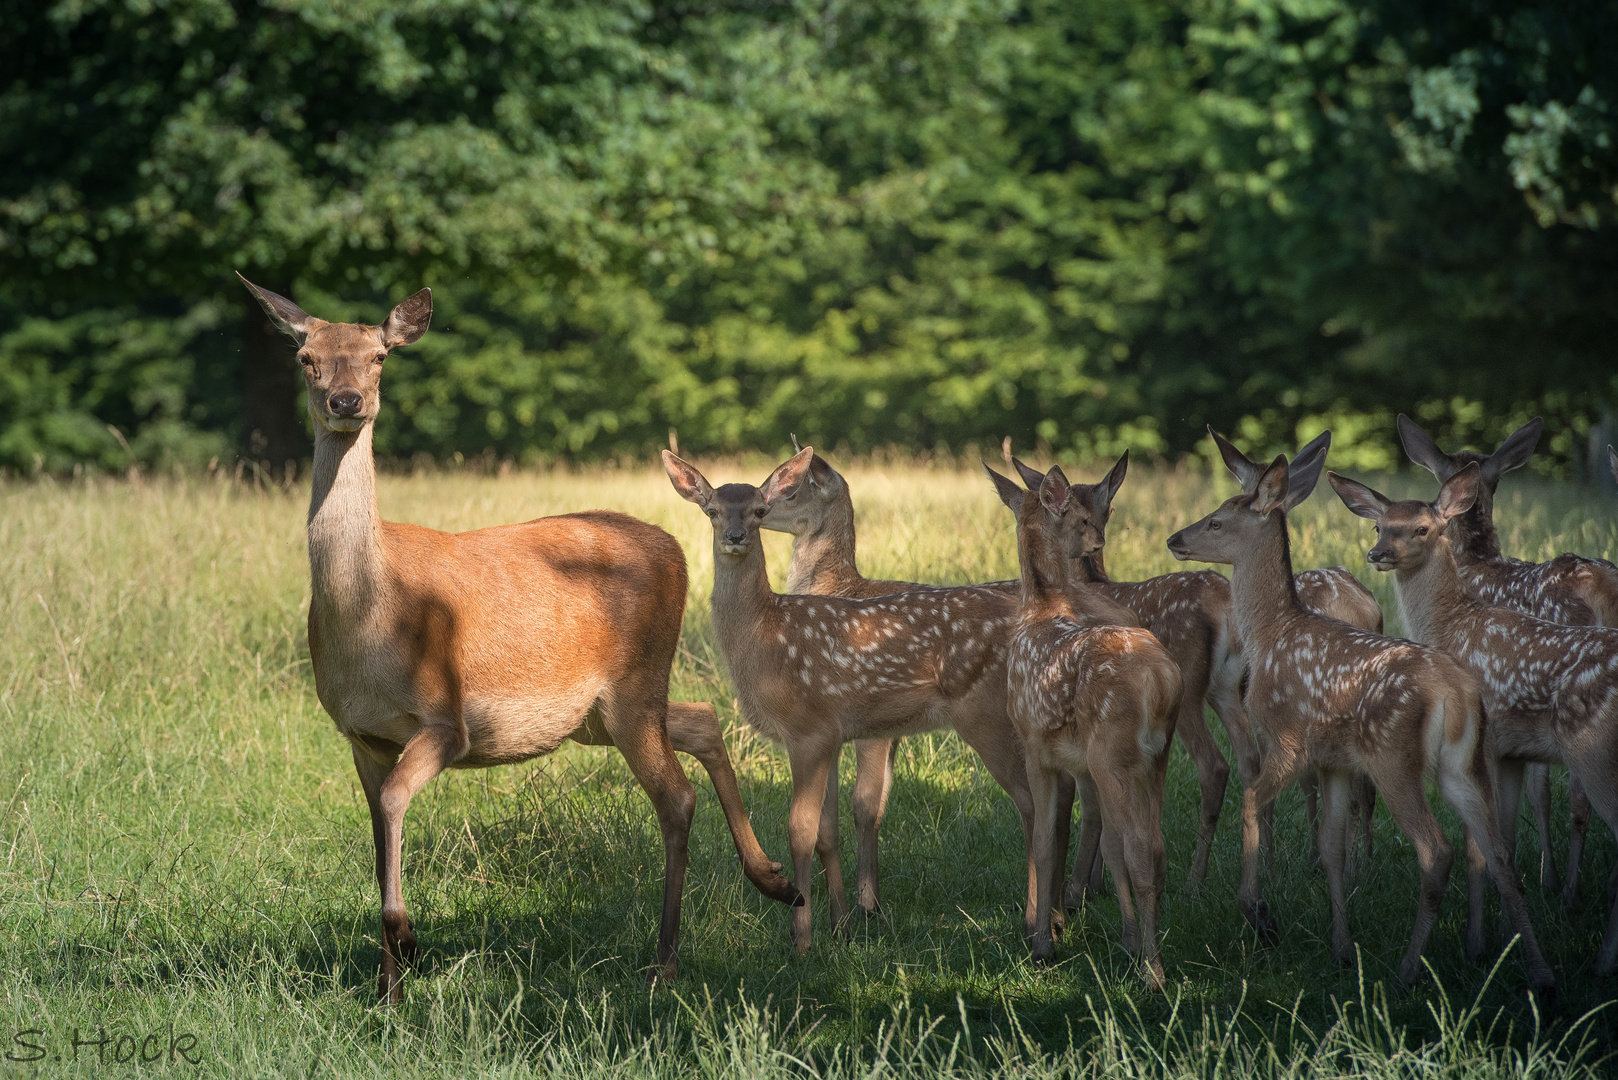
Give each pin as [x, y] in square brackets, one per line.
[1152, 975]
[1259, 917]
[777, 888]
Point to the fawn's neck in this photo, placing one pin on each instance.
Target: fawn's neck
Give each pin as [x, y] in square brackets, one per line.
[1431, 595]
[823, 558]
[1044, 570]
[742, 600]
[345, 530]
[1089, 568]
[1473, 534]
[1261, 584]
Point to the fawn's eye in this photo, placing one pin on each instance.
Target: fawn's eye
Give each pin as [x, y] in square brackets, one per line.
[379, 357]
[711, 512]
[760, 511]
[1214, 526]
[1422, 531]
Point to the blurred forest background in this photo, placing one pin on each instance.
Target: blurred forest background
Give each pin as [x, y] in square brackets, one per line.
[911, 223]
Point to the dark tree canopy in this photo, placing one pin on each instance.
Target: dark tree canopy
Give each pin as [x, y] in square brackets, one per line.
[919, 223]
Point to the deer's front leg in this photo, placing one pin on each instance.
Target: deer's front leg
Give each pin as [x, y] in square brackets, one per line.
[373, 770]
[1280, 766]
[1044, 785]
[828, 847]
[429, 752]
[812, 761]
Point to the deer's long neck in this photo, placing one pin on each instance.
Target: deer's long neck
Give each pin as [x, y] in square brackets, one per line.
[1473, 534]
[1089, 568]
[823, 558]
[1044, 575]
[345, 530]
[1431, 595]
[743, 602]
[1262, 588]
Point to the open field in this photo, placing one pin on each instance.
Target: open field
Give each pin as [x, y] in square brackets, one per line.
[184, 848]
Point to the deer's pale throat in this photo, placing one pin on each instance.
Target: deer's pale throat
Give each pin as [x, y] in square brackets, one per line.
[345, 530]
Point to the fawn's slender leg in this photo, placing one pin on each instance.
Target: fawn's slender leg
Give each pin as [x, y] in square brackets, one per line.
[1407, 804]
[1213, 772]
[827, 847]
[1279, 769]
[1578, 825]
[812, 762]
[1087, 863]
[1537, 789]
[1224, 696]
[1004, 758]
[1044, 788]
[873, 781]
[1335, 796]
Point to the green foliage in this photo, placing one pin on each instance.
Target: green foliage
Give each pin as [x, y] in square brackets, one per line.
[927, 223]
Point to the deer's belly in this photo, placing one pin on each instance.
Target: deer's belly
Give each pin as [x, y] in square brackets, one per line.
[509, 729]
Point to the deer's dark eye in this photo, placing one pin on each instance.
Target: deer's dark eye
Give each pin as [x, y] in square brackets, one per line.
[711, 512]
[760, 511]
[379, 357]
[1422, 531]
[1214, 526]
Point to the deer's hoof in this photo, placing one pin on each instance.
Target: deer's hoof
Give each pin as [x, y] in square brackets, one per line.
[1260, 919]
[1152, 975]
[777, 888]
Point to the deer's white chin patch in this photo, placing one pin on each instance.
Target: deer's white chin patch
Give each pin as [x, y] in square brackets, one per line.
[734, 549]
[344, 423]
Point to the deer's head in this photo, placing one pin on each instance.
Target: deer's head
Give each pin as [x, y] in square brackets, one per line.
[1240, 523]
[1409, 531]
[803, 508]
[1476, 529]
[1082, 521]
[737, 510]
[342, 362]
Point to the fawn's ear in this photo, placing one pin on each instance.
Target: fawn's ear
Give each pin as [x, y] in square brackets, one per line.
[1009, 493]
[690, 483]
[287, 317]
[1422, 450]
[788, 476]
[1244, 470]
[408, 320]
[1364, 501]
[1305, 468]
[1107, 489]
[1054, 491]
[1514, 452]
[1031, 477]
[1270, 493]
[1459, 492]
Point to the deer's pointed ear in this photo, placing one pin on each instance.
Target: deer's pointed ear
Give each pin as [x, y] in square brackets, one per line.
[1270, 493]
[1422, 450]
[1244, 470]
[1459, 492]
[1031, 477]
[788, 476]
[408, 320]
[286, 316]
[1364, 501]
[687, 480]
[1107, 489]
[1054, 490]
[1514, 452]
[1306, 467]
[1009, 492]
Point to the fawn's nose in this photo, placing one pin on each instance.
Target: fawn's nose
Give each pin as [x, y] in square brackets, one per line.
[735, 536]
[344, 403]
[1377, 556]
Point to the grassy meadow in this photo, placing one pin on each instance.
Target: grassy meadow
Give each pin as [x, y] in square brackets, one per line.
[184, 849]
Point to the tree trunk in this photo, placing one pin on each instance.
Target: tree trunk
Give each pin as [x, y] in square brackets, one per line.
[273, 426]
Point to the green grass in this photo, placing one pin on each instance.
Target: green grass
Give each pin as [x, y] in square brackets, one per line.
[182, 840]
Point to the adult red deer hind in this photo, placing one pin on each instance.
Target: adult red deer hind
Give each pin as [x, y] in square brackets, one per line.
[436, 651]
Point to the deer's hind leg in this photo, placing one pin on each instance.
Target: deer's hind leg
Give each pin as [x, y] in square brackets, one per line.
[1213, 771]
[638, 724]
[873, 782]
[694, 729]
[828, 846]
[1336, 795]
[1537, 790]
[1407, 804]
[1578, 825]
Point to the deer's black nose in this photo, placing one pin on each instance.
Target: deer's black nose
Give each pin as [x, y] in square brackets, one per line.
[735, 536]
[345, 403]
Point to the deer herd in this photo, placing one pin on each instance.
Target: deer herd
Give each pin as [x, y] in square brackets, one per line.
[434, 651]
